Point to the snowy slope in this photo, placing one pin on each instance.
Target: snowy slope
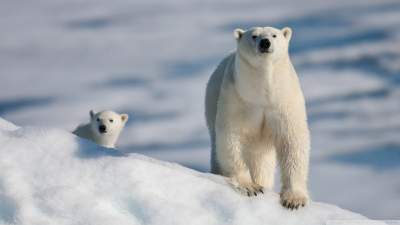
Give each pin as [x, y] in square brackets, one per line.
[152, 59]
[49, 176]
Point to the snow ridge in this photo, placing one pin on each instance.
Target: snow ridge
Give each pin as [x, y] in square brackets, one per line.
[49, 176]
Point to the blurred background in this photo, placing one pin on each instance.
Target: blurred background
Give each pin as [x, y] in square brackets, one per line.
[152, 59]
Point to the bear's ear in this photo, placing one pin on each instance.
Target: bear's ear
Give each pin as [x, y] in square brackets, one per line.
[287, 33]
[124, 117]
[91, 113]
[238, 33]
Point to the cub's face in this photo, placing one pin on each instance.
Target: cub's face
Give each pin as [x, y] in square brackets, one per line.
[262, 43]
[107, 123]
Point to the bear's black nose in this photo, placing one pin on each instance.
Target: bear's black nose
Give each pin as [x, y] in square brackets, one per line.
[264, 45]
[102, 129]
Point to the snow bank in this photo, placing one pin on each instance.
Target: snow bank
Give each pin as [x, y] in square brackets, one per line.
[49, 176]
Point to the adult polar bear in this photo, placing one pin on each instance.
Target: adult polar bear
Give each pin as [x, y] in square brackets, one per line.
[255, 113]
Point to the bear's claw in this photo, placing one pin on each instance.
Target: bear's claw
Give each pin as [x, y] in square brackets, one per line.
[250, 189]
[293, 200]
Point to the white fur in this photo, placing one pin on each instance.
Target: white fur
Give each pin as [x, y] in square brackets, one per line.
[255, 113]
[113, 122]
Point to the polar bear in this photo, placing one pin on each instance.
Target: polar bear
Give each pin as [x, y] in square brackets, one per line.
[255, 112]
[104, 128]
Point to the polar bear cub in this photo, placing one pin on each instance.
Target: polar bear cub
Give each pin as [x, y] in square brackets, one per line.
[104, 128]
[255, 113]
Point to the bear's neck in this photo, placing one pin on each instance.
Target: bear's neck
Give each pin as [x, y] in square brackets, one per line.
[258, 84]
[107, 141]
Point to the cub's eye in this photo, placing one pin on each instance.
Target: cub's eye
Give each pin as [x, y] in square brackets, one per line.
[274, 35]
[254, 37]
[111, 120]
[98, 120]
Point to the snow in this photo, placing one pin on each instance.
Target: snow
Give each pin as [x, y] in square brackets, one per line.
[152, 59]
[49, 176]
[7, 125]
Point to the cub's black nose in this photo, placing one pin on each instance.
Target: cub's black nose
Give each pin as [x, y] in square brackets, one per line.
[264, 45]
[102, 129]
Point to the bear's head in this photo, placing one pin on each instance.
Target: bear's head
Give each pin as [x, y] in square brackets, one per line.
[107, 123]
[262, 43]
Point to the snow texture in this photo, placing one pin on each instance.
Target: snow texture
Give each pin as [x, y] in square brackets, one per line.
[49, 176]
[151, 59]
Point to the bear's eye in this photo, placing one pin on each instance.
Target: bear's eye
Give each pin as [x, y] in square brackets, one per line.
[254, 37]
[111, 120]
[274, 35]
[98, 120]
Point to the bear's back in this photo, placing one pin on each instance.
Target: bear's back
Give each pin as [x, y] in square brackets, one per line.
[84, 131]
[214, 87]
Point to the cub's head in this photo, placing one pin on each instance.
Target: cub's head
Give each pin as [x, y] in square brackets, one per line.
[260, 43]
[107, 122]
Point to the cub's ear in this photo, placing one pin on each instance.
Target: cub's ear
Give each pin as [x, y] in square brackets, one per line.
[92, 113]
[124, 117]
[287, 33]
[238, 33]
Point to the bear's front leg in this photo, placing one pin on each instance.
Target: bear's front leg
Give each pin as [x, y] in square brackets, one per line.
[293, 155]
[261, 160]
[233, 135]
[229, 154]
